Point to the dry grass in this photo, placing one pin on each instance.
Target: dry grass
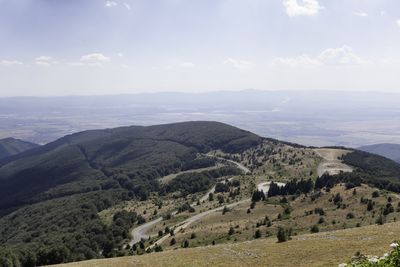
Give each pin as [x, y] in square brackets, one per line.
[215, 226]
[323, 249]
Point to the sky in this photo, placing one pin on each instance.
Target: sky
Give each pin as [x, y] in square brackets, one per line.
[87, 47]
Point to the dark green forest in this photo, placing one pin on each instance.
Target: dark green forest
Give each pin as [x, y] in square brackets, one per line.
[50, 196]
[11, 146]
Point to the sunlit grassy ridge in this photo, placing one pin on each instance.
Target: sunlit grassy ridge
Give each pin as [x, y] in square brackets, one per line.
[321, 249]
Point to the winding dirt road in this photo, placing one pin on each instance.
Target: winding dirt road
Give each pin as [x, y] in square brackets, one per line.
[262, 186]
[139, 232]
[195, 218]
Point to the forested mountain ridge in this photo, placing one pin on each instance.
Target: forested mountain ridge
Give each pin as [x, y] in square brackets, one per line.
[12, 146]
[50, 196]
[391, 151]
[131, 156]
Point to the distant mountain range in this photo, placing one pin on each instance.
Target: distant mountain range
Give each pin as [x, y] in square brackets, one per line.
[12, 146]
[391, 151]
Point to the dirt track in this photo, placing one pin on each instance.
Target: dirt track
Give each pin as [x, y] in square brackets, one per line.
[331, 163]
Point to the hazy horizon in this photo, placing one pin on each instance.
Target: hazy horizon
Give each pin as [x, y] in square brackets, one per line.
[388, 92]
[199, 93]
[306, 117]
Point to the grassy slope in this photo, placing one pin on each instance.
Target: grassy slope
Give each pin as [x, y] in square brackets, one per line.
[214, 227]
[322, 249]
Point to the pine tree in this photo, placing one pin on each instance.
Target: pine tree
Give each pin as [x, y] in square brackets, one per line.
[257, 234]
[231, 231]
[185, 244]
[281, 235]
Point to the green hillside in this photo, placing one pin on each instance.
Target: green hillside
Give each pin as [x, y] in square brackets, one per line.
[129, 157]
[391, 151]
[374, 169]
[79, 197]
[50, 196]
[10, 147]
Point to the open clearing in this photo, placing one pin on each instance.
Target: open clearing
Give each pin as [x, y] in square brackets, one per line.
[322, 249]
[331, 163]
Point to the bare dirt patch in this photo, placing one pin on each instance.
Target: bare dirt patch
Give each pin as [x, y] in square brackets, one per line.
[331, 163]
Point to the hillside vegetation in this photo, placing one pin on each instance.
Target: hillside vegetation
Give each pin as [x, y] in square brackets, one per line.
[374, 169]
[391, 151]
[187, 185]
[10, 147]
[51, 196]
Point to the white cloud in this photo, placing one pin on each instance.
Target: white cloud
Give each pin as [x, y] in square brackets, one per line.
[8, 63]
[361, 14]
[238, 64]
[302, 7]
[120, 54]
[330, 57]
[45, 61]
[340, 56]
[127, 6]
[111, 4]
[187, 65]
[95, 58]
[398, 22]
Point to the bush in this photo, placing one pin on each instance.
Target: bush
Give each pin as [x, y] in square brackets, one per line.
[220, 199]
[281, 235]
[257, 234]
[380, 220]
[185, 244]
[314, 229]
[388, 209]
[370, 205]
[225, 210]
[158, 248]
[231, 231]
[319, 211]
[337, 199]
